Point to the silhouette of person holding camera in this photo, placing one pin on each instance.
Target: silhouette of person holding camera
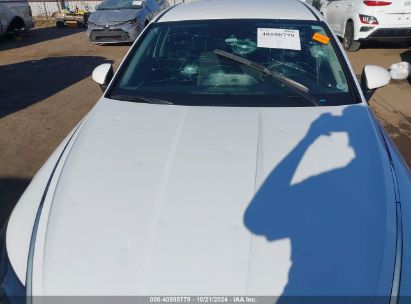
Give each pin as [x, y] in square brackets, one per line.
[336, 220]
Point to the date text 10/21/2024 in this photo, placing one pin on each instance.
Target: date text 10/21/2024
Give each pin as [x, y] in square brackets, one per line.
[202, 299]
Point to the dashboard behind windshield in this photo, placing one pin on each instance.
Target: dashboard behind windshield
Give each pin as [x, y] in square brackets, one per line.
[233, 63]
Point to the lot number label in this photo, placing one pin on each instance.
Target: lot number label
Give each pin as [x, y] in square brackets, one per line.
[278, 39]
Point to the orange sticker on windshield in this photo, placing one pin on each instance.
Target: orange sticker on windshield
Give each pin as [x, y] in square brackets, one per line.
[321, 38]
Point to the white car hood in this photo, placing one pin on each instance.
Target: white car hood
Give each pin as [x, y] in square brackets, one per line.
[176, 200]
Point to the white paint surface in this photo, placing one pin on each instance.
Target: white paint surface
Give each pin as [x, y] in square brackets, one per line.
[162, 199]
[234, 9]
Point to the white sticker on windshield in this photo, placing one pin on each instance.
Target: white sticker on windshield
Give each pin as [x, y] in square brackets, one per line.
[278, 39]
[137, 2]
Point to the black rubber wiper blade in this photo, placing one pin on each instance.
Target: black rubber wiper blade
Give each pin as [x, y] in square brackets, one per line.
[298, 88]
[143, 99]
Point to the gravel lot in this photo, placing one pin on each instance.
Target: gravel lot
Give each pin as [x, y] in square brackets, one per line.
[46, 88]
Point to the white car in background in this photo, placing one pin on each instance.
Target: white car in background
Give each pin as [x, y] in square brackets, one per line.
[232, 153]
[15, 16]
[360, 20]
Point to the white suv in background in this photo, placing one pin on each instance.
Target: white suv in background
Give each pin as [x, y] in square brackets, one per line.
[15, 16]
[357, 20]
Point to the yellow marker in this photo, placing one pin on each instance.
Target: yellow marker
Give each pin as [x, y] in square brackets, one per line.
[321, 38]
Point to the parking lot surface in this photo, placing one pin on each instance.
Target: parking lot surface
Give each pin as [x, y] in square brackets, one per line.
[46, 88]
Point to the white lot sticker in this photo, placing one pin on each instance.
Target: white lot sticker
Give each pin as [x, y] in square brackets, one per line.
[278, 39]
[137, 3]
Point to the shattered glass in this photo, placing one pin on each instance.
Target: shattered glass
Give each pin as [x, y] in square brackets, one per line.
[177, 62]
[241, 46]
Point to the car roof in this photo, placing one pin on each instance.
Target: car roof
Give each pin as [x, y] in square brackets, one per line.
[239, 9]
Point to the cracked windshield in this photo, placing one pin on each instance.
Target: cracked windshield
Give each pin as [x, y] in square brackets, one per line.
[235, 63]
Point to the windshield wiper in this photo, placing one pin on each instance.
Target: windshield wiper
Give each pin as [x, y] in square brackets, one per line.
[298, 88]
[142, 99]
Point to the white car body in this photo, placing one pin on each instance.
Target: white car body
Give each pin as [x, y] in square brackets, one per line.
[15, 15]
[393, 17]
[151, 199]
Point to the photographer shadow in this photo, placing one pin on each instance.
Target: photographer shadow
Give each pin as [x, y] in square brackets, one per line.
[336, 220]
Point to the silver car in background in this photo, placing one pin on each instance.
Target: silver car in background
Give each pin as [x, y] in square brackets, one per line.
[15, 16]
[117, 21]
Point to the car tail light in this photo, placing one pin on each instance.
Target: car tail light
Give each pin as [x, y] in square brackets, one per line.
[368, 19]
[377, 3]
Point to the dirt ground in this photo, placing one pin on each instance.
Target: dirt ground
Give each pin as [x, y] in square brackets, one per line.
[46, 88]
[391, 104]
